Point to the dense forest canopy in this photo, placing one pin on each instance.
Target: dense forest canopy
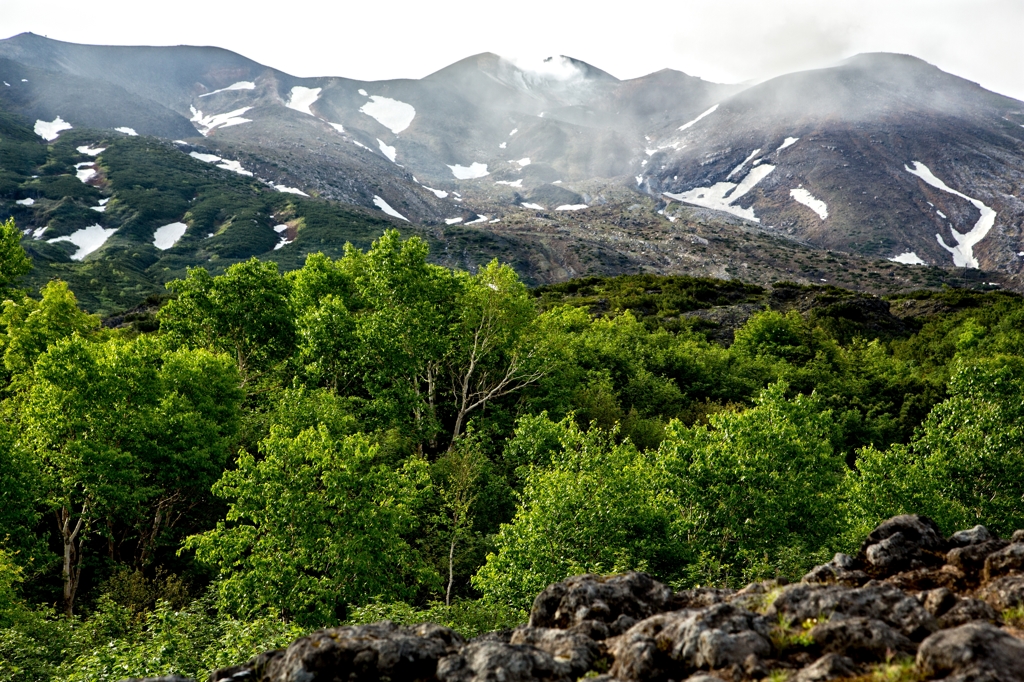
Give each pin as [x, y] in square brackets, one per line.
[373, 436]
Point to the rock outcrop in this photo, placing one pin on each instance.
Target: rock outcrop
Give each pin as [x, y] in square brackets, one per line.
[937, 608]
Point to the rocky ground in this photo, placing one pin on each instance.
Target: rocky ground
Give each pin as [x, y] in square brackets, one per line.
[911, 606]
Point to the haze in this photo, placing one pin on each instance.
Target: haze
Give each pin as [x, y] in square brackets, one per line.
[737, 41]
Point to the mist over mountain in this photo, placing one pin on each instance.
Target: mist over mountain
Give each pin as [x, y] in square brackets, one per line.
[883, 157]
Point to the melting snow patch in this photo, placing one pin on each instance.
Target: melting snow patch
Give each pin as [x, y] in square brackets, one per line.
[102, 207]
[790, 141]
[738, 168]
[37, 233]
[91, 151]
[498, 220]
[49, 130]
[208, 158]
[167, 236]
[536, 207]
[514, 131]
[204, 124]
[804, 197]
[524, 162]
[363, 92]
[722, 195]
[360, 144]
[502, 145]
[908, 258]
[25, 202]
[963, 251]
[284, 242]
[234, 167]
[84, 171]
[706, 113]
[337, 126]
[470, 172]
[941, 214]
[439, 193]
[127, 131]
[511, 183]
[571, 207]
[386, 150]
[240, 85]
[478, 219]
[639, 180]
[87, 240]
[384, 206]
[280, 228]
[390, 113]
[290, 190]
[301, 99]
[452, 221]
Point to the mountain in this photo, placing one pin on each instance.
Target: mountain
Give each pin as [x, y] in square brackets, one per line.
[558, 167]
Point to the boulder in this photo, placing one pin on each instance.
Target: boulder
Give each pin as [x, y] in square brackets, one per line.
[701, 597]
[902, 543]
[972, 652]
[1009, 559]
[491, 661]
[841, 570]
[828, 667]
[1018, 536]
[680, 642]
[970, 559]
[863, 639]
[972, 536]
[574, 649]
[967, 611]
[1003, 593]
[937, 601]
[618, 601]
[879, 601]
[381, 651]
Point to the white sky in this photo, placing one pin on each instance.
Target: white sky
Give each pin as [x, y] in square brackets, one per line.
[719, 40]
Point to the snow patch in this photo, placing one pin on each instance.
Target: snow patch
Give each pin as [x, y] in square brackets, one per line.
[87, 240]
[639, 180]
[390, 113]
[804, 197]
[280, 228]
[130, 132]
[511, 183]
[470, 172]
[789, 142]
[225, 164]
[337, 126]
[478, 219]
[384, 206]
[524, 162]
[941, 214]
[747, 160]
[963, 251]
[90, 151]
[49, 130]
[571, 207]
[284, 242]
[290, 190]
[498, 220]
[102, 207]
[536, 207]
[208, 158]
[502, 145]
[386, 150]
[363, 92]
[25, 202]
[85, 171]
[37, 233]
[722, 195]
[240, 85]
[694, 121]
[439, 193]
[301, 99]
[205, 124]
[167, 236]
[908, 258]
[514, 131]
[452, 221]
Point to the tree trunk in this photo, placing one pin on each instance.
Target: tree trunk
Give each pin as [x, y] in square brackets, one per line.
[451, 572]
[72, 568]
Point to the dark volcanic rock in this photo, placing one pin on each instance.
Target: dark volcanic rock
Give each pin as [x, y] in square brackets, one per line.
[864, 639]
[966, 611]
[489, 661]
[828, 667]
[1009, 559]
[618, 601]
[842, 570]
[1004, 593]
[576, 650]
[902, 543]
[971, 558]
[972, 536]
[972, 652]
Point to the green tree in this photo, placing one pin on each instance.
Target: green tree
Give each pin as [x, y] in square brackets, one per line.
[316, 524]
[14, 264]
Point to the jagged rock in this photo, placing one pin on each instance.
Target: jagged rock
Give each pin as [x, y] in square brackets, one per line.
[799, 603]
[902, 543]
[926, 579]
[619, 601]
[937, 601]
[578, 651]
[972, 536]
[841, 570]
[381, 651]
[865, 639]
[1018, 536]
[1003, 593]
[684, 641]
[1009, 559]
[966, 611]
[828, 667]
[490, 661]
[971, 558]
[701, 597]
[255, 669]
[753, 597]
[972, 653]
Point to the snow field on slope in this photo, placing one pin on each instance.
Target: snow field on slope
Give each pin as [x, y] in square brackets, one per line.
[452, 221]
[384, 206]
[470, 172]
[386, 150]
[694, 121]
[127, 131]
[390, 113]
[908, 258]
[301, 99]
[510, 183]
[790, 141]
[25, 202]
[88, 239]
[963, 251]
[747, 160]
[290, 190]
[85, 171]
[571, 207]
[722, 195]
[536, 207]
[49, 130]
[167, 236]
[240, 85]
[90, 151]
[804, 197]
[204, 124]
[225, 164]
[439, 193]
[479, 219]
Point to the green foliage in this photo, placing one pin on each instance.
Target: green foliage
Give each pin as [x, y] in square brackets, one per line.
[14, 264]
[316, 524]
[33, 326]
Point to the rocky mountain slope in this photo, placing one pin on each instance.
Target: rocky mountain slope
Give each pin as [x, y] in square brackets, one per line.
[566, 170]
[912, 605]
